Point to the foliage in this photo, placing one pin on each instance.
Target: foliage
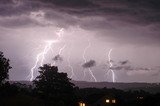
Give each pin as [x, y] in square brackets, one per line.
[4, 68]
[54, 87]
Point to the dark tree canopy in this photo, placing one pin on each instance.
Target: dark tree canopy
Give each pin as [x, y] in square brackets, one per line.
[54, 86]
[4, 68]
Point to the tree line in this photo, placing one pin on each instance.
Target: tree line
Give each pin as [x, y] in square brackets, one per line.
[53, 88]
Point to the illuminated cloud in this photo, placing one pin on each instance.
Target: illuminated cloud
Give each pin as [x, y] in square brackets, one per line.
[89, 64]
[58, 58]
[123, 62]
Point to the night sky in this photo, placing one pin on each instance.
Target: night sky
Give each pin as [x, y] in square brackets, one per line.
[129, 27]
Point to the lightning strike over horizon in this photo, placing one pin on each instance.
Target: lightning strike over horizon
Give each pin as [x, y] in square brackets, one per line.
[59, 53]
[61, 49]
[110, 65]
[46, 49]
[42, 54]
[91, 73]
[85, 60]
[70, 66]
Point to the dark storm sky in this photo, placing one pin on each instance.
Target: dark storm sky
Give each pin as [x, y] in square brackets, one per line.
[129, 27]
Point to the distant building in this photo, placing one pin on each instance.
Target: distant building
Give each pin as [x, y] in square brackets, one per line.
[107, 100]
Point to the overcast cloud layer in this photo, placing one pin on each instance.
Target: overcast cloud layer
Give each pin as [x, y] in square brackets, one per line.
[125, 16]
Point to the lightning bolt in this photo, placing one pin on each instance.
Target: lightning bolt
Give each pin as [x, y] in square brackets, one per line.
[85, 60]
[91, 73]
[61, 49]
[70, 66]
[59, 53]
[46, 49]
[110, 65]
[32, 69]
[42, 54]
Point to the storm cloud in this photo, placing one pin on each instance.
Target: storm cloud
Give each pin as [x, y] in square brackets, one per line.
[89, 64]
[58, 58]
[132, 70]
[92, 15]
[123, 62]
[133, 11]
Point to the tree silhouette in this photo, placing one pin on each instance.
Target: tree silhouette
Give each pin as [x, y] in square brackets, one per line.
[54, 87]
[4, 68]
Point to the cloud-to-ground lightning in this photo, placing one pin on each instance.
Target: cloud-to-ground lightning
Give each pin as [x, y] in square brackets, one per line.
[70, 66]
[35, 65]
[59, 53]
[90, 71]
[46, 49]
[41, 56]
[110, 65]
[61, 49]
[85, 60]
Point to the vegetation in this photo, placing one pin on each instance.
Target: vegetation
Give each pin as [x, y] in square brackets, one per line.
[52, 88]
[4, 68]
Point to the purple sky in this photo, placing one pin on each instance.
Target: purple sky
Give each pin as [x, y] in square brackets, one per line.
[129, 27]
